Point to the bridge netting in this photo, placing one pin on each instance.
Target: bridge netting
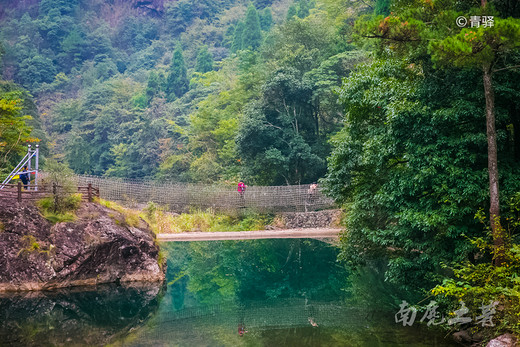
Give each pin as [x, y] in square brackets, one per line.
[201, 323]
[182, 197]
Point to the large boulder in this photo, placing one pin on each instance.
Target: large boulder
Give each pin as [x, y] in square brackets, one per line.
[98, 247]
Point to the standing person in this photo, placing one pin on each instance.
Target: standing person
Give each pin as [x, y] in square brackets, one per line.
[24, 176]
[241, 188]
[313, 190]
[311, 194]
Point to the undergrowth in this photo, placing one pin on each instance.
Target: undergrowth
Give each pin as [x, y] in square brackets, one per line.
[481, 283]
[65, 213]
[197, 220]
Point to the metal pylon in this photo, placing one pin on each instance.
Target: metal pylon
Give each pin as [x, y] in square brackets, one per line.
[27, 160]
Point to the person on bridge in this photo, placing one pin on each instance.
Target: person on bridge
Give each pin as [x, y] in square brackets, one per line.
[241, 188]
[25, 178]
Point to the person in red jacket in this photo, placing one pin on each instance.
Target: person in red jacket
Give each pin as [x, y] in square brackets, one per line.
[241, 188]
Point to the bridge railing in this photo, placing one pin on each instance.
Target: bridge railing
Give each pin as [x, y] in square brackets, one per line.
[181, 197]
[19, 193]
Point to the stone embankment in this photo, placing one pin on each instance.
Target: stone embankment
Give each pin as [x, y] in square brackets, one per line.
[315, 220]
[98, 247]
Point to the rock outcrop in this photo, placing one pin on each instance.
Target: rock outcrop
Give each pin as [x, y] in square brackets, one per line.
[98, 247]
[506, 340]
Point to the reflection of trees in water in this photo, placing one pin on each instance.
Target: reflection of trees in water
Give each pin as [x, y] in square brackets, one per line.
[79, 316]
[274, 289]
[212, 272]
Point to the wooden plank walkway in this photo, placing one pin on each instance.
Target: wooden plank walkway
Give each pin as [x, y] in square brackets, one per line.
[252, 235]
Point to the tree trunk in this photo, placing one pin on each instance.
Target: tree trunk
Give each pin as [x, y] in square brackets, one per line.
[514, 114]
[494, 201]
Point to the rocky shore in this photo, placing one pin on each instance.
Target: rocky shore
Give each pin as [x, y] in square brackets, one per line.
[98, 247]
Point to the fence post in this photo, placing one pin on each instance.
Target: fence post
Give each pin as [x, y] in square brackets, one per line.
[90, 192]
[19, 191]
[55, 196]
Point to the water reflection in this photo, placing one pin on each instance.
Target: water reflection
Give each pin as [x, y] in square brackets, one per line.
[267, 293]
[213, 272]
[83, 316]
[222, 293]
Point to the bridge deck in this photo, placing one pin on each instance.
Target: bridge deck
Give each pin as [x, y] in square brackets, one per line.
[251, 235]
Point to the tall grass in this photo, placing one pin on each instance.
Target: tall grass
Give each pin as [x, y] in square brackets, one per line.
[68, 205]
[131, 216]
[163, 222]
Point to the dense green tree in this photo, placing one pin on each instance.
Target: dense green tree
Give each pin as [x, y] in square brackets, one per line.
[252, 34]
[214, 125]
[105, 119]
[180, 14]
[2, 52]
[266, 19]
[81, 49]
[54, 27]
[36, 70]
[73, 49]
[481, 48]
[382, 7]
[237, 37]
[260, 4]
[291, 12]
[204, 61]
[64, 7]
[14, 132]
[277, 136]
[409, 167]
[303, 8]
[136, 33]
[98, 42]
[154, 85]
[177, 83]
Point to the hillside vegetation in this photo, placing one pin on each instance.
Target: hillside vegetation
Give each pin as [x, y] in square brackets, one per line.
[200, 91]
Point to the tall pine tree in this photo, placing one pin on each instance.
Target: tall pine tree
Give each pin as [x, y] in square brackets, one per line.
[252, 35]
[291, 12]
[177, 84]
[266, 19]
[204, 60]
[237, 37]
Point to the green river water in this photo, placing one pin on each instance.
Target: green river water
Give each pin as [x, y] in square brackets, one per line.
[221, 293]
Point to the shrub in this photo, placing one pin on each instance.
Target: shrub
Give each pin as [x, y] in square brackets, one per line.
[58, 178]
[64, 212]
[480, 283]
[198, 220]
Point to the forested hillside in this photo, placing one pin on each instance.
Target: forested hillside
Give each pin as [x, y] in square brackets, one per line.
[410, 119]
[201, 91]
